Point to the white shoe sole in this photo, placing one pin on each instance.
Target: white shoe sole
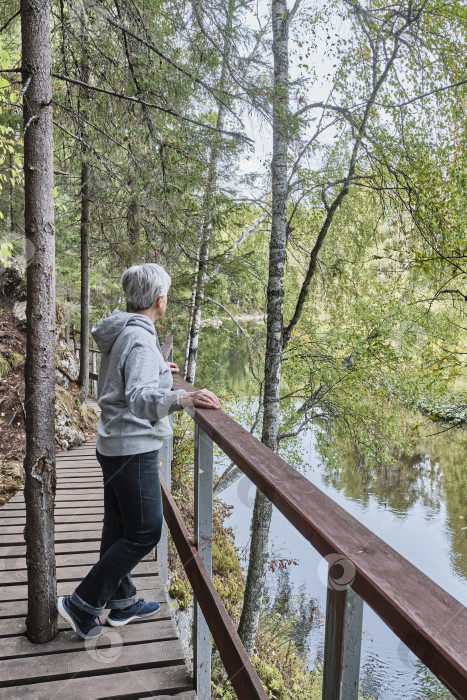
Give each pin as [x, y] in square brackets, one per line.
[66, 616]
[119, 623]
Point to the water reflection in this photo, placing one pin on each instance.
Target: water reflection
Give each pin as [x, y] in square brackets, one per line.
[433, 477]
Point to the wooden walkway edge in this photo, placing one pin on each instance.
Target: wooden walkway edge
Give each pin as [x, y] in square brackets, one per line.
[141, 659]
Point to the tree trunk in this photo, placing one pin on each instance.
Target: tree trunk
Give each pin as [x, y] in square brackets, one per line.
[133, 221]
[83, 380]
[207, 210]
[262, 512]
[12, 221]
[39, 463]
[192, 314]
[85, 292]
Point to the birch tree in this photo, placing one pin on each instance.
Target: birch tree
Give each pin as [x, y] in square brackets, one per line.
[281, 18]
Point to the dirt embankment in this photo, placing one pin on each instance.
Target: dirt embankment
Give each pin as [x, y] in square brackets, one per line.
[12, 408]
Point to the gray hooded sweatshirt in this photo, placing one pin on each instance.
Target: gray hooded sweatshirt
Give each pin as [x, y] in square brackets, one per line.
[134, 390]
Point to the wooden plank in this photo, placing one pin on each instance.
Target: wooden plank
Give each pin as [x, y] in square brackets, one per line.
[19, 592]
[67, 640]
[80, 477]
[85, 460]
[84, 482]
[85, 494]
[18, 608]
[410, 603]
[79, 472]
[63, 509]
[91, 485]
[62, 666]
[8, 540]
[86, 467]
[16, 625]
[68, 573]
[77, 457]
[59, 527]
[144, 682]
[18, 562]
[71, 518]
[89, 482]
[234, 657]
[59, 510]
[77, 454]
[60, 548]
[65, 471]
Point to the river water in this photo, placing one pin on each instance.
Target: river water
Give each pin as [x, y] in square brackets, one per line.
[419, 508]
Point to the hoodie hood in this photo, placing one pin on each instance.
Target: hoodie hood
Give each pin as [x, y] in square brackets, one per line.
[107, 330]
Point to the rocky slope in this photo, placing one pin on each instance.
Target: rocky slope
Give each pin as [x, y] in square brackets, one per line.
[73, 422]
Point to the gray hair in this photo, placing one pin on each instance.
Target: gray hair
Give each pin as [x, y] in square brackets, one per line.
[143, 284]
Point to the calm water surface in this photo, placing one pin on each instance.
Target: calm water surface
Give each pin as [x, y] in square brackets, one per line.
[419, 508]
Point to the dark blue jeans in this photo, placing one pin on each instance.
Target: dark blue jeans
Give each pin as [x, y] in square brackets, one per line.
[131, 529]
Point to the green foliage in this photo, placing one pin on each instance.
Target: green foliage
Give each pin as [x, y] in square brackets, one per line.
[9, 362]
[4, 366]
[178, 589]
[10, 145]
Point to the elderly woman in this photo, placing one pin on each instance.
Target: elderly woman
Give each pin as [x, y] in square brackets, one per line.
[135, 396]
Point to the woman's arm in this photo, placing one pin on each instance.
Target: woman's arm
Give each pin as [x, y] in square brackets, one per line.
[143, 393]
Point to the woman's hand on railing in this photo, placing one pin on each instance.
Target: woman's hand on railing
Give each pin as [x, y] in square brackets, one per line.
[202, 398]
[175, 369]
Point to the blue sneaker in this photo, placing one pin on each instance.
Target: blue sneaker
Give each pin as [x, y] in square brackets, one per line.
[82, 622]
[139, 609]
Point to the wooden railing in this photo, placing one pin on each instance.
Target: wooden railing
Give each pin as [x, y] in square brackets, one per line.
[361, 568]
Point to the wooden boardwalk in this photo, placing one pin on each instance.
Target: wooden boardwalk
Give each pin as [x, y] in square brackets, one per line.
[142, 659]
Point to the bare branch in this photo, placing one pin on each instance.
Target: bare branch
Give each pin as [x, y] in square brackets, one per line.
[422, 97]
[250, 356]
[10, 20]
[138, 100]
[209, 88]
[291, 14]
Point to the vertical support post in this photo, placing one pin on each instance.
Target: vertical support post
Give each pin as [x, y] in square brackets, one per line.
[94, 369]
[165, 467]
[342, 644]
[203, 478]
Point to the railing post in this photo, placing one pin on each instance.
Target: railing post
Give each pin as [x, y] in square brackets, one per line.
[165, 467]
[94, 369]
[203, 478]
[342, 644]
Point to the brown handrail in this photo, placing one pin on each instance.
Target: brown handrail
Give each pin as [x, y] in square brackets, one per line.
[240, 670]
[423, 615]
